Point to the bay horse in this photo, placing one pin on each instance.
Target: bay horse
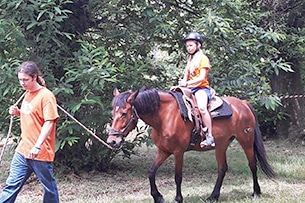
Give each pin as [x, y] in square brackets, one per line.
[171, 134]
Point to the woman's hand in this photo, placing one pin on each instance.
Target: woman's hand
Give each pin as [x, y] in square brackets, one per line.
[34, 152]
[14, 110]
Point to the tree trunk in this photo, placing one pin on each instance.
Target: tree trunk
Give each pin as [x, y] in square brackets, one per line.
[291, 14]
[293, 124]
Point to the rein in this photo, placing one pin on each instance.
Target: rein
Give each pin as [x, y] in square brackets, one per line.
[124, 132]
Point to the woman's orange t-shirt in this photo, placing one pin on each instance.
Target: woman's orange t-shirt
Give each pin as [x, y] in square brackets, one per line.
[38, 107]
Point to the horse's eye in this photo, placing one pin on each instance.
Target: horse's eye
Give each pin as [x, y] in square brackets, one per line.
[124, 115]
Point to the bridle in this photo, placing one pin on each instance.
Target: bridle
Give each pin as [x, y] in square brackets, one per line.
[124, 132]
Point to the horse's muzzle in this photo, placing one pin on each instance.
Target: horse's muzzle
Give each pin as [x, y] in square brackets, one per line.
[115, 138]
[116, 144]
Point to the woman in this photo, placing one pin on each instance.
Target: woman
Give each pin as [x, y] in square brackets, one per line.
[196, 78]
[36, 150]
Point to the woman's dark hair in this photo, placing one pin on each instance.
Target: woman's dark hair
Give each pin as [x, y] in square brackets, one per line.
[31, 68]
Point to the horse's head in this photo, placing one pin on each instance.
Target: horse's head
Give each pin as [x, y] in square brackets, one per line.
[124, 117]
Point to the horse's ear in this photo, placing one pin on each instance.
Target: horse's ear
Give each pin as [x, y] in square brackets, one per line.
[132, 97]
[116, 92]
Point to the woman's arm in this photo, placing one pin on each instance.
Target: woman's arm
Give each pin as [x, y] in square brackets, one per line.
[45, 132]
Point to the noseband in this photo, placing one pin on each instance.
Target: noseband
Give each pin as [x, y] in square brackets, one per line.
[123, 132]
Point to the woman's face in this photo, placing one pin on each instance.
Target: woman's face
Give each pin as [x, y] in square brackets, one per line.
[26, 81]
[191, 46]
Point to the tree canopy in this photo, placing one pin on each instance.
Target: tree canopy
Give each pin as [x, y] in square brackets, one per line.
[85, 48]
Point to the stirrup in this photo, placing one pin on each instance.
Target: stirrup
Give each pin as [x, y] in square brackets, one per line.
[209, 142]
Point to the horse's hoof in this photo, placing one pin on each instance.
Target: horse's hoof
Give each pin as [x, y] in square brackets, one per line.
[160, 200]
[255, 195]
[211, 200]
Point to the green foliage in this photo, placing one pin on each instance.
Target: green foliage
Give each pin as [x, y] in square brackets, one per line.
[86, 48]
[236, 48]
[40, 22]
[11, 40]
[10, 91]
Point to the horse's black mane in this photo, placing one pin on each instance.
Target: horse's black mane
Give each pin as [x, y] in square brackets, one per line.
[146, 102]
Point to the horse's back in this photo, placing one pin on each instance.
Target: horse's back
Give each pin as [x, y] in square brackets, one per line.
[235, 101]
[243, 119]
[239, 107]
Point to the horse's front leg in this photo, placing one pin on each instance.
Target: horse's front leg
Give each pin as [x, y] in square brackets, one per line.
[178, 175]
[158, 161]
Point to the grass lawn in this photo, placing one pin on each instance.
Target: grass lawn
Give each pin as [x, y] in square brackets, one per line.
[127, 180]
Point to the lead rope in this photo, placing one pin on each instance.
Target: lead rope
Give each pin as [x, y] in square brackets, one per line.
[10, 127]
[89, 131]
[79, 123]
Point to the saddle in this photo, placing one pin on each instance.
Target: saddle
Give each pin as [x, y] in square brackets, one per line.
[190, 102]
[187, 103]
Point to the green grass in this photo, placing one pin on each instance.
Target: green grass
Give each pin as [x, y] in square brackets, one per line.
[127, 181]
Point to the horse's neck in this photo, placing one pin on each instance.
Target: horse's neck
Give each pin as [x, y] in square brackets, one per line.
[164, 113]
[150, 120]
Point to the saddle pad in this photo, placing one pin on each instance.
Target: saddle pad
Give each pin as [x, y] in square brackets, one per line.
[182, 107]
[223, 111]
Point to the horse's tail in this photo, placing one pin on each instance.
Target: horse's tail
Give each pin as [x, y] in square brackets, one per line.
[259, 149]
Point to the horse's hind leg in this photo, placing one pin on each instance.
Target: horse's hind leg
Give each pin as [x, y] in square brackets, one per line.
[250, 154]
[158, 161]
[253, 167]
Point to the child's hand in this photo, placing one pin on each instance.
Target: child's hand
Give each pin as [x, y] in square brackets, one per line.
[182, 83]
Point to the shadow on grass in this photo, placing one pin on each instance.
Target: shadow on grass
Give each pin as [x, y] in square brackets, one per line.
[233, 196]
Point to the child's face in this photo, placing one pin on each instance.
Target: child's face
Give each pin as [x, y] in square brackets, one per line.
[191, 46]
